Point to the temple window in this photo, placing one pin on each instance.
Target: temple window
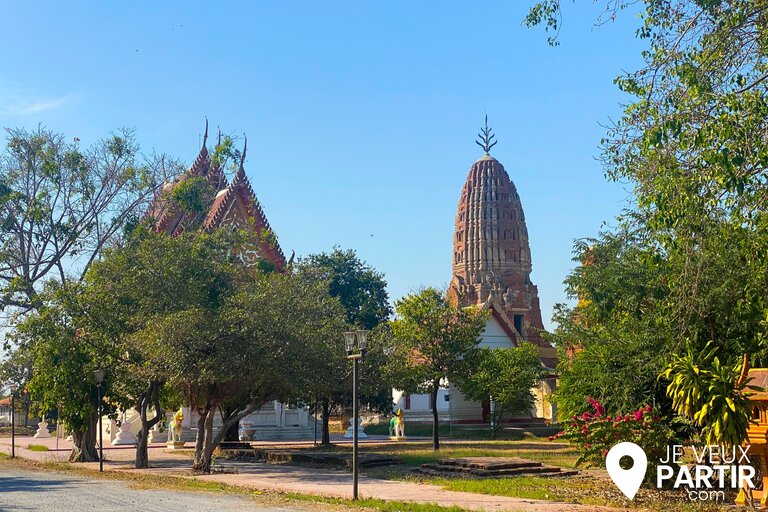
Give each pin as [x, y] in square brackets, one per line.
[520, 324]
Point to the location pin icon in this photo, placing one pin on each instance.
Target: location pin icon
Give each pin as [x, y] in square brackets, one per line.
[627, 480]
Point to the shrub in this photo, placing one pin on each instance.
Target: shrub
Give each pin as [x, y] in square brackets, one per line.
[595, 433]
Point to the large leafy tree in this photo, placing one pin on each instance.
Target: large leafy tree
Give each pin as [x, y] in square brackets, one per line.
[362, 292]
[61, 204]
[693, 143]
[128, 296]
[184, 312]
[64, 364]
[432, 341]
[17, 369]
[506, 376]
[616, 340]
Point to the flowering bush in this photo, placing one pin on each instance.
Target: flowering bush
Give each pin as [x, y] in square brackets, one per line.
[595, 433]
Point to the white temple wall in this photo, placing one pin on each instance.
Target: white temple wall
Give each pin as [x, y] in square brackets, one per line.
[461, 409]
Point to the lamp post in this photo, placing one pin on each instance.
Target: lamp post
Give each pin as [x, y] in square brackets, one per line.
[13, 387]
[352, 338]
[99, 376]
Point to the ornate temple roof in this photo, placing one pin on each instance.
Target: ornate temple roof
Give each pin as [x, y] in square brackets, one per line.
[491, 252]
[227, 204]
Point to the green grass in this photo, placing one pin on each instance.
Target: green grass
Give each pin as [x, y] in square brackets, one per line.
[582, 490]
[37, 448]
[446, 432]
[585, 490]
[415, 454]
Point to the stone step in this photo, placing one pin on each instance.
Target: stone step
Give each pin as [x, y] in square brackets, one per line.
[500, 463]
[543, 472]
[535, 471]
[489, 467]
[328, 458]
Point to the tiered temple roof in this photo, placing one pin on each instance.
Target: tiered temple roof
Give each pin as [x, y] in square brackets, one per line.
[226, 204]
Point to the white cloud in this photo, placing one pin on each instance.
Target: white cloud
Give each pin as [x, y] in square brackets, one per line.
[20, 105]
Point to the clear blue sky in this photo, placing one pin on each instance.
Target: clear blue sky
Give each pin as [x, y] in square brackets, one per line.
[361, 117]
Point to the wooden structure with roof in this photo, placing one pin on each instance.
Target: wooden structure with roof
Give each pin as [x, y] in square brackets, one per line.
[224, 204]
[757, 434]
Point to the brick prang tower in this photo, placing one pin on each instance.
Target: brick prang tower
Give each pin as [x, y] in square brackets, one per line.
[491, 253]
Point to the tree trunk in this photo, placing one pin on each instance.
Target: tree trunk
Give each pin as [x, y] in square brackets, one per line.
[142, 453]
[203, 463]
[200, 439]
[233, 433]
[326, 437]
[208, 446]
[26, 404]
[151, 397]
[84, 442]
[435, 418]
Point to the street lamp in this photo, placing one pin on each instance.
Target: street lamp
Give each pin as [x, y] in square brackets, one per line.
[352, 338]
[13, 387]
[99, 376]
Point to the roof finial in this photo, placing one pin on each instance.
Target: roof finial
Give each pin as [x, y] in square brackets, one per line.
[486, 138]
[245, 148]
[205, 135]
[241, 170]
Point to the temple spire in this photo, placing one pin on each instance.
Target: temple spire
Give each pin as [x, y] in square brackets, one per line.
[486, 138]
[205, 135]
[241, 170]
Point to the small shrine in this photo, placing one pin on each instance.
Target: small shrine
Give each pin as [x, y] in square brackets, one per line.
[756, 436]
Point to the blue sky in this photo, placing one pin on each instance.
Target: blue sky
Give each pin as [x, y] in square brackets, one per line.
[361, 117]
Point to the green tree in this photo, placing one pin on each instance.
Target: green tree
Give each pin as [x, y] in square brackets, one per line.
[615, 342]
[60, 205]
[362, 292]
[183, 311]
[506, 376]
[17, 369]
[63, 368]
[432, 341]
[358, 286]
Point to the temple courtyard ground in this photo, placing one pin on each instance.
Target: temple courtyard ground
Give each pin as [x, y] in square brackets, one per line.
[44, 491]
[295, 487]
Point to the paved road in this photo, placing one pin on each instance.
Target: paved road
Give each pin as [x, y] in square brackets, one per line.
[23, 491]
